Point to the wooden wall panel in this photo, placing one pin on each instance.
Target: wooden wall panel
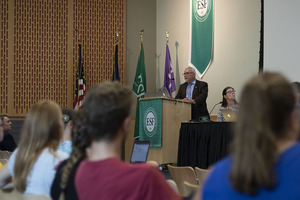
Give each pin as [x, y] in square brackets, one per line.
[4, 56]
[39, 49]
[40, 53]
[98, 22]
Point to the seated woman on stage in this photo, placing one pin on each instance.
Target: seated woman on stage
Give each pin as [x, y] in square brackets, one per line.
[228, 102]
[32, 165]
[264, 163]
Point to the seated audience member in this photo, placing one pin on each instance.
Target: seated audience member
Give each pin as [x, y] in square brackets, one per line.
[8, 143]
[103, 123]
[32, 164]
[228, 102]
[296, 85]
[264, 163]
[63, 186]
[1, 136]
[66, 144]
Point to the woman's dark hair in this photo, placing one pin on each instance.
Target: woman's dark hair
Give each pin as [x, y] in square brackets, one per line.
[106, 107]
[267, 102]
[224, 101]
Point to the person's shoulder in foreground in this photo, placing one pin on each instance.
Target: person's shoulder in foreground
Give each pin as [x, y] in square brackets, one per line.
[138, 181]
[264, 160]
[218, 186]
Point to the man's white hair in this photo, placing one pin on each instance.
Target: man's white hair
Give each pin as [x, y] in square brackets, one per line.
[193, 70]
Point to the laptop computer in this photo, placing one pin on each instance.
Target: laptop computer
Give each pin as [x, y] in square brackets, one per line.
[162, 92]
[228, 115]
[140, 151]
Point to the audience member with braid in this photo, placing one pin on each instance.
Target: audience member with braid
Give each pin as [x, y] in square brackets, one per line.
[102, 126]
[63, 185]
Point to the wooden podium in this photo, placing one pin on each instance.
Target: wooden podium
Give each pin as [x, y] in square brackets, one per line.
[173, 113]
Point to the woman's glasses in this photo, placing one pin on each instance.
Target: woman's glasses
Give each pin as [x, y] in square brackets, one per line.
[231, 91]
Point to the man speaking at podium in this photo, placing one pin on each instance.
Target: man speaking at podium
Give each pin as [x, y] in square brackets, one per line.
[195, 93]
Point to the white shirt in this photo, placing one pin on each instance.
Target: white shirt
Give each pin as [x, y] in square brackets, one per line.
[42, 174]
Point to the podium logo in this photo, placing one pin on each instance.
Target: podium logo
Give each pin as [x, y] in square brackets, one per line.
[150, 124]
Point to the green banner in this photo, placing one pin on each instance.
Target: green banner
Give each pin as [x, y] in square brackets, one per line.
[150, 123]
[201, 46]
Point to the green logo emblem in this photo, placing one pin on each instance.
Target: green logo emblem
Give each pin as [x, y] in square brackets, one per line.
[201, 9]
[150, 123]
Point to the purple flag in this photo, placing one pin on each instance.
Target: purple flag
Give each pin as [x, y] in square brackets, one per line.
[169, 81]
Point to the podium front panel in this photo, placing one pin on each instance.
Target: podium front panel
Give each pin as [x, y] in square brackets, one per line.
[173, 112]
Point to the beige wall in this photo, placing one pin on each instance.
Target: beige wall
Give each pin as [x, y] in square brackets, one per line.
[141, 14]
[236, 42]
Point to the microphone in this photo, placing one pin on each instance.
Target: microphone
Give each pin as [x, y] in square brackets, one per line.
[215, 106]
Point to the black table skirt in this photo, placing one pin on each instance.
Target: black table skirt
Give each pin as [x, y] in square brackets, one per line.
[202, 144]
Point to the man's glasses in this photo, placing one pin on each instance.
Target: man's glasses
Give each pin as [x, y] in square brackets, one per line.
[186, 73]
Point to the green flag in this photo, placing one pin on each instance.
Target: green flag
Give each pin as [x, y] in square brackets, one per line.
[139, 86]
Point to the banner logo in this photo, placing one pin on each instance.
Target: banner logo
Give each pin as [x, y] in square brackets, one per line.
[201, 9]
[201, 35]
[150, 122]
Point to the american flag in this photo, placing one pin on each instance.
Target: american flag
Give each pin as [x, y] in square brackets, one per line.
[80, 84]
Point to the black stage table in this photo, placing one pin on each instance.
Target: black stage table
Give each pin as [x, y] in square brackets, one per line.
[202, 144]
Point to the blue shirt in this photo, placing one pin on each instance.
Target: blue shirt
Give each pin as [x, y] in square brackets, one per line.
[218, 186]
[190, 89]
[65, 146]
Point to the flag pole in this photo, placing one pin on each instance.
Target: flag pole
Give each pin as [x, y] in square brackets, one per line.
[167, 36]
[79, 68]
[79, 41]
[118, 33]
[141, 35]
[78, 32]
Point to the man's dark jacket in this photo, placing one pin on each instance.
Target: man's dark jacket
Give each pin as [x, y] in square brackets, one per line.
[199, 95]
[8, 143]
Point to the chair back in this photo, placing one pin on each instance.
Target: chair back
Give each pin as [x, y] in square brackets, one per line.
[173, 185]
[190, 188]
[4, 154]
[181, 174]
[3, 161]
[201, 174]
[15, 195]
